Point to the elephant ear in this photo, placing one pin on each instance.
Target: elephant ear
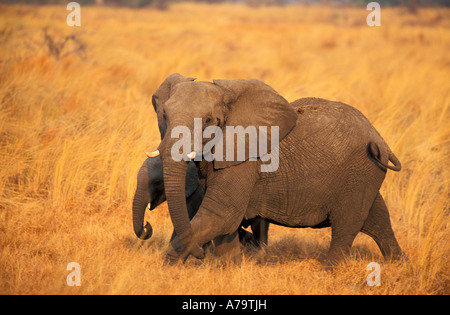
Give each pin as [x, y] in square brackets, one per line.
[251, 104]
[162, 94]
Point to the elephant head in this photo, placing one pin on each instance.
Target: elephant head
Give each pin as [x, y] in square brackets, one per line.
[162, 94]
[223, 103]
[150, 192]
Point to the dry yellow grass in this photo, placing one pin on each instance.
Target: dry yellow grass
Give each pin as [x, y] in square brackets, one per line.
[73, 133]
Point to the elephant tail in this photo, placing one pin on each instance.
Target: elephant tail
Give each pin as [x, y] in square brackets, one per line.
[374, 153]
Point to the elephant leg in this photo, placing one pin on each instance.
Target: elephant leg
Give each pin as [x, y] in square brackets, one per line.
[260, 229]
[341, 242]
[228, 248]
[246, 238]
[203, 229]
[206, 226]
[378, 226]
[222, 209]
[347, 220]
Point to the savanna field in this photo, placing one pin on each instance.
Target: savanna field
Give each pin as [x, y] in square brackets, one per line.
[76, 120]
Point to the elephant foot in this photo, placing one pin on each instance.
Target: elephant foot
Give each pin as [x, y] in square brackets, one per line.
[228, 248]
[173, 256]
[397, 257]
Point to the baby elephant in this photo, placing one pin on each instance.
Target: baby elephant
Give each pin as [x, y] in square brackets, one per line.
[150, 191]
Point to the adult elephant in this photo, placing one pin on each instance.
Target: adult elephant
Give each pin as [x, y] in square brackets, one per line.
[331, 164]
[150, 192]
[150, 184]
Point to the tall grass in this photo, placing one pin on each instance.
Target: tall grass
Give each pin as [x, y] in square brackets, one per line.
[74, 129]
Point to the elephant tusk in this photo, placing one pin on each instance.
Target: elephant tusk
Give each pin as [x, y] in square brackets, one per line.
[152, 154]
[192, 155]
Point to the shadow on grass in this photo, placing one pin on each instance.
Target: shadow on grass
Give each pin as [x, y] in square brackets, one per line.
[283, 250]
[156, 243]
[294, 249]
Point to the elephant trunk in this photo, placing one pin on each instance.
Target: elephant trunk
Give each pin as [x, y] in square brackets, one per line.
[140, 202]
[174, 181]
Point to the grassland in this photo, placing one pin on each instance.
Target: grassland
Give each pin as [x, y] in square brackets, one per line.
[75, 123]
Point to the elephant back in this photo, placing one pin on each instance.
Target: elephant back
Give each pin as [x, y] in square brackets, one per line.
[324, 155]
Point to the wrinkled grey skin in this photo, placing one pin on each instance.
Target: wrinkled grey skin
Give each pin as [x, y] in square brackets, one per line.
[332, 163]
[150, 190]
